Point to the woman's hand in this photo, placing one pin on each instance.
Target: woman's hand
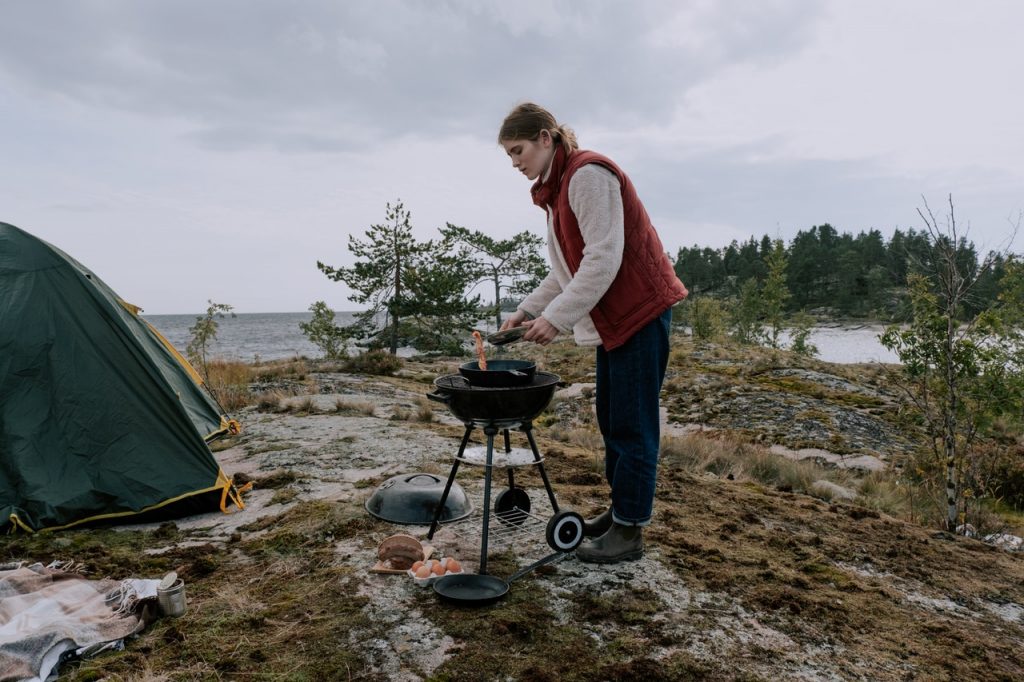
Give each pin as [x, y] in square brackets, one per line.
[513, 320]
[540, 331]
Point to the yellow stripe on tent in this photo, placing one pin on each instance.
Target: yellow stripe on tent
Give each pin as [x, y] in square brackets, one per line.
[224, 484]
[135, 310]
[230, 426]
[177, 356]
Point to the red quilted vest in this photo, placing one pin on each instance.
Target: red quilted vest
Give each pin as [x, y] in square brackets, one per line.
[646, 284]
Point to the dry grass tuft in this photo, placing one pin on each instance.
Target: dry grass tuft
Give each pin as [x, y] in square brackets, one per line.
[228, 381]
[402, 414]
[883, 491]
[746, 462]
[271, 401]
[346, 406]
[424, 411]
[305, 406]
[588, 439]
[275, 370]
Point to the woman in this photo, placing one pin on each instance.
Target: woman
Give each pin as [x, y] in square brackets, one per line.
[613, 287]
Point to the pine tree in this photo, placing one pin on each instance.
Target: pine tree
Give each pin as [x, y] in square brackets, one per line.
[414, 288]
[514, 266]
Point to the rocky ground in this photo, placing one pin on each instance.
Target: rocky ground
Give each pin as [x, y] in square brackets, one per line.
[810, 405]
[740, 581]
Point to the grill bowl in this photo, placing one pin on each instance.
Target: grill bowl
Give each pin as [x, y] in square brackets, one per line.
[492, 405]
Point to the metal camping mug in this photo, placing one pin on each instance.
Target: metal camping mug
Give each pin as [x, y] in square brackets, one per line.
[171, 599]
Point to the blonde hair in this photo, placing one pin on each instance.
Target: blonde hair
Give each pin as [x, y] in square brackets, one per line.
[528, 120]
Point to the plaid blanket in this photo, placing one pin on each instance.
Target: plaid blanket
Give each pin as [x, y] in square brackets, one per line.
[49, 614]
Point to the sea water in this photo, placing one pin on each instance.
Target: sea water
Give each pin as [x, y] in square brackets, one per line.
[274, 336]
[247, 336]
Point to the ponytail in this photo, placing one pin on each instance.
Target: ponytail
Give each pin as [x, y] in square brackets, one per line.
[567, 137]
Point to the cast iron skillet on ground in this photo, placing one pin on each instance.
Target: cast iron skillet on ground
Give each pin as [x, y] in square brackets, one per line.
[470, 589]
[475, 589]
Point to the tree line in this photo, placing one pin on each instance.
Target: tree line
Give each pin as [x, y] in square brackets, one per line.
[847, 275]
[426, 294]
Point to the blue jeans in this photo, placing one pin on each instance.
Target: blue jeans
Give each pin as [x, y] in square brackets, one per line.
[628, 388]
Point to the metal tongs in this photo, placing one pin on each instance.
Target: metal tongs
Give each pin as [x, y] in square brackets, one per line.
[510, 335]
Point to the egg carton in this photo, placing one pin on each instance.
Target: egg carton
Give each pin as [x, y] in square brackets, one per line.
[433, 577]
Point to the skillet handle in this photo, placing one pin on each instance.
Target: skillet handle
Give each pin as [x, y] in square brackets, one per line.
[438, 397]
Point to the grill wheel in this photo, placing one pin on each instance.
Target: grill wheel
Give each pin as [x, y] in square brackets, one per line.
[565, 531]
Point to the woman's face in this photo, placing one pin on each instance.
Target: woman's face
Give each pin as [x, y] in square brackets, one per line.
[531, 157]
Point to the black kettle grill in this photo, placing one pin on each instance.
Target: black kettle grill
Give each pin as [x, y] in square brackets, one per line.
[501, 409]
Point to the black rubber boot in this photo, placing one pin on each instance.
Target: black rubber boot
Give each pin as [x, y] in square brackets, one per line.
[620, 543]
[599, 525]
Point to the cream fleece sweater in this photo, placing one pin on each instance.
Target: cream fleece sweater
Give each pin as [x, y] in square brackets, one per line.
[564, 300]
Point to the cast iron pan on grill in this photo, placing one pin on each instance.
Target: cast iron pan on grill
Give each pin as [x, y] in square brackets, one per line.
[499, 373]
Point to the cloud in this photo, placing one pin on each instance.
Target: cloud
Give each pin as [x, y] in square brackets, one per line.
[324, 75]
[250, 139]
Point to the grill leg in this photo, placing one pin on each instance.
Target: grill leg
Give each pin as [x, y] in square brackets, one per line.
[508, 449]
[527, 428]
[448, 485]
[491, 432]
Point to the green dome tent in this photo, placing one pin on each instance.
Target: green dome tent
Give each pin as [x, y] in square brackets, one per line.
[101, 419]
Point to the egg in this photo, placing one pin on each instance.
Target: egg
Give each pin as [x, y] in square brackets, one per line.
[438, 569]
[423, 572]
[454, 566]
[416, 566]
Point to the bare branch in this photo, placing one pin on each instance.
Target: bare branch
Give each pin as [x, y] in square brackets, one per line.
[952, 221]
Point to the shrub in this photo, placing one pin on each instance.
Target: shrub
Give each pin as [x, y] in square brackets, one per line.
[745, 316]
[203, 334]
[998, 472]
[708, 318]
[323, 333]
[377, 362]
[800, 333]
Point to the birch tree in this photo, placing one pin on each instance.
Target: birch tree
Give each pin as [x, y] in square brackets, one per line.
[959, 372]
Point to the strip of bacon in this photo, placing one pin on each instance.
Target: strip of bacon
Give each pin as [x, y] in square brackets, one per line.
[480, 349]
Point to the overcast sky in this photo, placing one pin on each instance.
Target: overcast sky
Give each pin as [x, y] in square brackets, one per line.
[198, 149]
